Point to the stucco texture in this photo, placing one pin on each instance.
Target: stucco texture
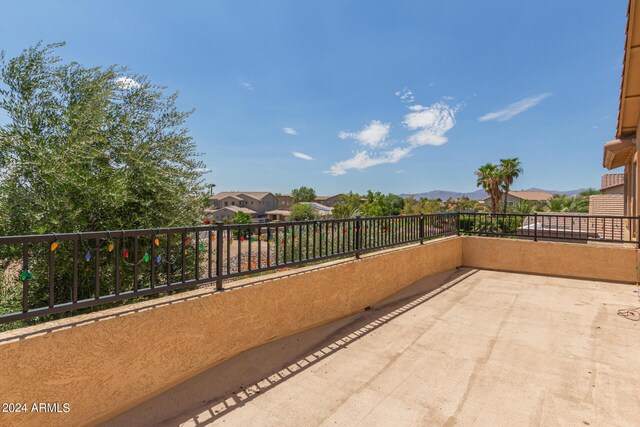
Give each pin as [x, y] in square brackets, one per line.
[104, 363]
[595, 262]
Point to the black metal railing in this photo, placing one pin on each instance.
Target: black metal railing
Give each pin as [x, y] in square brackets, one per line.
[57, 273]
[551, 226]
[66, 272]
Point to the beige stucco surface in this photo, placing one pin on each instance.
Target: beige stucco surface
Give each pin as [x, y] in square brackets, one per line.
[599, 262]
[104, 363]
[485, 349]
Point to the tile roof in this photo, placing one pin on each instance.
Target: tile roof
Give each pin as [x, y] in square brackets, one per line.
[231, 208]
[531, 195]
[258, 195]
[611, 180]
[279, 212]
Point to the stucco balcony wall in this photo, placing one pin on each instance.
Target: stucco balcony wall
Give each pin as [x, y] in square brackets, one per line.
[106, 362]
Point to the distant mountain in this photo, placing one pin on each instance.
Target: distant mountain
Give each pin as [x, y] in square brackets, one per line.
[479, 194]
[444, 195]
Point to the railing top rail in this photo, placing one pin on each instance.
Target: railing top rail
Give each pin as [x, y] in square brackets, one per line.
[552, 215]
[113, 234]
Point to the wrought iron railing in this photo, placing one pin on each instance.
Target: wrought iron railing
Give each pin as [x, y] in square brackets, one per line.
[552, 226]
[71, 271]
[58, 273]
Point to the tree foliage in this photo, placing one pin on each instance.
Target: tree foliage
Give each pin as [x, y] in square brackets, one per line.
[510, 169]
[88, 149]
[91, 149]
[302, 212]
[496, 180]
[373, 204]
[303, 194]
[564, 203]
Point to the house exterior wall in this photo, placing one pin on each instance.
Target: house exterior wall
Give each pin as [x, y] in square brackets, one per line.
[261, 206]
[606, 204]
[267, 203]
[618, 189]
[285, 202]
[223, 214]
[330, 202]
[228, 201]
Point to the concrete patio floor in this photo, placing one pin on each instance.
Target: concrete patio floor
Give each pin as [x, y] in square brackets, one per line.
[462, 348]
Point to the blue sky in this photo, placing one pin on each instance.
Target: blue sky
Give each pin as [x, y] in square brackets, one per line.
[396, 96]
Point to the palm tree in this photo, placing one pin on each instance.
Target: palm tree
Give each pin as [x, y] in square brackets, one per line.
[489, 177]
[510, 169]
[558, 203]
[523, 207]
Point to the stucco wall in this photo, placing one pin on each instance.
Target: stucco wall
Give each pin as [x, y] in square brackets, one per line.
[597, 262]
[103, 367]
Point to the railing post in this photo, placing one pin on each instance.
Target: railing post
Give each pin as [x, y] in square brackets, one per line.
[219, 237]
[458, 222]
[637, 227]
[535, 226]
[422, 229]
[358, 237]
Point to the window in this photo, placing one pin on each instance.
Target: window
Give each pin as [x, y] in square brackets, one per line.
[226, 203]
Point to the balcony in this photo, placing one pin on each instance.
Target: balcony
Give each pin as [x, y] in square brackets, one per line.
[468, 329]
[469, 347]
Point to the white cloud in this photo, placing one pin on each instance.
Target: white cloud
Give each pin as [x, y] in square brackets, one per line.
[301, 155]
[514, 109]
[405, 95]
[399, 171]
[429, 123]
[246, 85]
[290, 131]
[363, 160]
[373, 135]
[127, 83]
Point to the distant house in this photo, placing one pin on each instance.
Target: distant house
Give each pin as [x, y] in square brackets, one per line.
[255, 203]
[320, 209]
[227, 212]
[283, 215]
[535, 197]
[329, 201]
[610, 201]
[285, 201]
[278, 215]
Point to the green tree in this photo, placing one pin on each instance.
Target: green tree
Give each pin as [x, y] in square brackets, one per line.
[395, 204]
[523, 207]
[489, 177]
[463, 204]
[90, 149]
[302, 212]
[348, 206]
[303, 194]
[510, 169]
[422, 206]
[558, 203]
[86, 149]
[241, 218]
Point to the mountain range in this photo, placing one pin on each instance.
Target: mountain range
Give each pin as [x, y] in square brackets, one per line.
[480, 194]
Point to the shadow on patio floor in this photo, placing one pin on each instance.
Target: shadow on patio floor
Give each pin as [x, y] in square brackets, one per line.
[231, 384]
